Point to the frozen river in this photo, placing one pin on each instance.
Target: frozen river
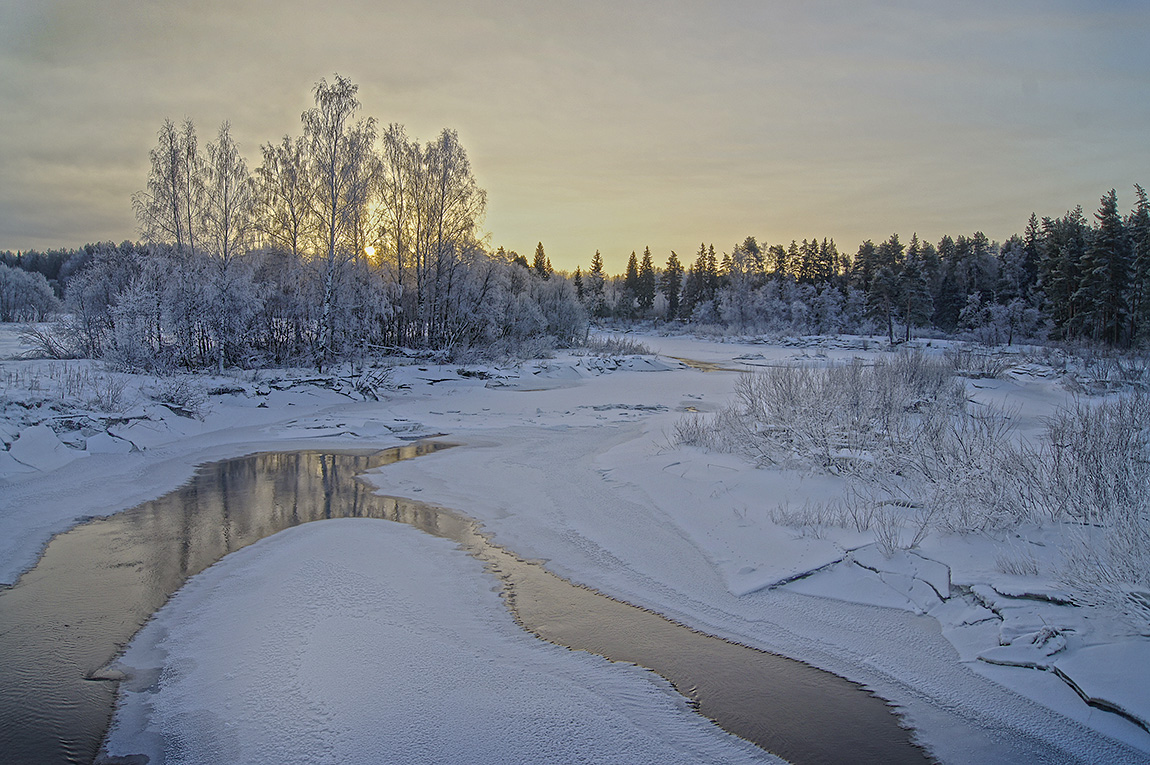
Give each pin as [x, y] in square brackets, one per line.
[97, 584]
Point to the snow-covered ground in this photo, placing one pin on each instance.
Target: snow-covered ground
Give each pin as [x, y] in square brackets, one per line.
[572, 461]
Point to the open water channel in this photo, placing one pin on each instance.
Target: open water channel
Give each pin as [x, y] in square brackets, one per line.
[66, 619]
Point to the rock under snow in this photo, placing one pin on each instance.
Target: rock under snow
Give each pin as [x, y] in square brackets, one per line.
[38, 447]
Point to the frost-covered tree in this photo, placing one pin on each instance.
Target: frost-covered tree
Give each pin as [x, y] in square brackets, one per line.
[229, 217]
[596, 287]
[338, 157]
[285, 197]
[24, 295]
[454, 209]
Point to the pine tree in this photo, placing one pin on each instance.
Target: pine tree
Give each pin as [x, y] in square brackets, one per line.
[793, 260]
[671, 284]
[645, 286]
[864, 266]
[753, 254]
[1102, 292]
[778, 259]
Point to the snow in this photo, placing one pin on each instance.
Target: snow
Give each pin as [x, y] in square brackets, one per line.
[39, 448]
[321, 619]
[572, 461]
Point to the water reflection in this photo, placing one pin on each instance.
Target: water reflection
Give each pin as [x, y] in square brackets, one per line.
[97, 584]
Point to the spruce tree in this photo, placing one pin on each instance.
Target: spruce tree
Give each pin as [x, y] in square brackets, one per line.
[826, 263]
[883, 297]
[671, 284]
[712, 273]
[630, 287]
[950, 298]
[597, 283]
[1138, 228]
[1102, 292]
[541, 264]
[695, 287]
[645, 286]
[915, 303]
[808, 262]
[1072, 234]
[1032, 248]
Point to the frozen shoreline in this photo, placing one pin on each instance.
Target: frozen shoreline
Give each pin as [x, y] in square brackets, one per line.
[565, 463]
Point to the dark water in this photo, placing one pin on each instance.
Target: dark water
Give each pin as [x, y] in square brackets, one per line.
[97, 584]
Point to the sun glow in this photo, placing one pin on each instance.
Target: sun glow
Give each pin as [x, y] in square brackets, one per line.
[369, 251]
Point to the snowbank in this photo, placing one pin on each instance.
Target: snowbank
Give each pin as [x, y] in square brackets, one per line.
[367, 641]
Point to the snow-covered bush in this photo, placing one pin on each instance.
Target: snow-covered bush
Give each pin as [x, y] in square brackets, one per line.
[1096, 473]
[976, 362]
[25, 295]
[1098, 460]
[616, 345]
[836, 418]
[180, 393]
[921, 460]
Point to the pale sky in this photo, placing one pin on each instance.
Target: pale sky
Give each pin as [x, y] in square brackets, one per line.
[606, 125]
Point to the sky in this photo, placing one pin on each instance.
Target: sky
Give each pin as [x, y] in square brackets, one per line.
[609, 126]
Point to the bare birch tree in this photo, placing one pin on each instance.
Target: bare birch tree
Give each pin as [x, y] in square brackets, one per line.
[398, 182]
[285, 196]
[339, 159]
[229, 215]
[169, 210]
[454, 209]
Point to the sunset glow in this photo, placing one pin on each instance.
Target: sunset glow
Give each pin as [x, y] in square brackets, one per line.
[607, 126]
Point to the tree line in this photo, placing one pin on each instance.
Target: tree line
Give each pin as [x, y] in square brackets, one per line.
[1064, 278]
[346, 239]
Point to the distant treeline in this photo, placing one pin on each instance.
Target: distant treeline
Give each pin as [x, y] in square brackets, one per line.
[1062, 278]
[348, 239]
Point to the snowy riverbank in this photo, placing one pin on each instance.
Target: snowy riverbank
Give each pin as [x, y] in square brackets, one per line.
[572, 461]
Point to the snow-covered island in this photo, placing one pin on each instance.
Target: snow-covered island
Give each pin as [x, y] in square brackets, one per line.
[365, 640]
